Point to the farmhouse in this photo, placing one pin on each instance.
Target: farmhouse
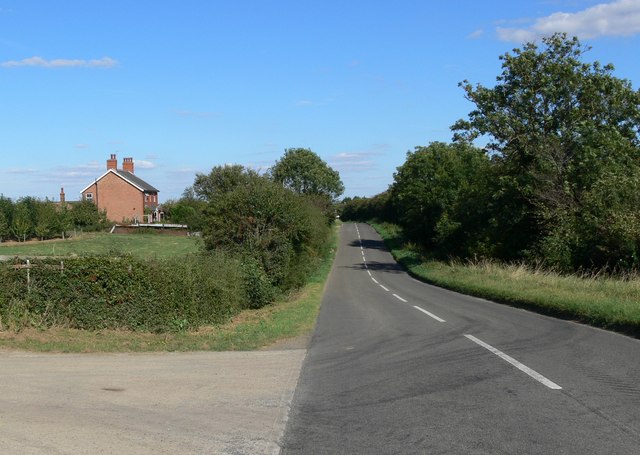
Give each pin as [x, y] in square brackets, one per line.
[124, 196]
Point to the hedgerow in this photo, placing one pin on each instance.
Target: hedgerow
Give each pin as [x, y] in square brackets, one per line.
[102, 292]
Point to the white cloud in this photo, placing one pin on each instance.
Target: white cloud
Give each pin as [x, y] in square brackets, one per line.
[353, 161]
[618, 18]
[476, 34]
[21, 171]
[82, 146]
[104, 62]
[143, 164]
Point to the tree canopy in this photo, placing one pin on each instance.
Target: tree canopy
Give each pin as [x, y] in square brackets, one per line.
[304, 172]
[557, 181]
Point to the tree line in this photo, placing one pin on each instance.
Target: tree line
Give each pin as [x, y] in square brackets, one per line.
[557, 182]
[28, 218]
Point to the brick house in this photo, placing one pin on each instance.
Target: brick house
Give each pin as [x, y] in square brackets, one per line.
[123, 195]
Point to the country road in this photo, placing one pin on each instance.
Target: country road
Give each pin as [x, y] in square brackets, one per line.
[398, 366]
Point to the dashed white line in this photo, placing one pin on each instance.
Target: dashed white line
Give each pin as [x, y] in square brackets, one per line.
[383, 287]
[399, 298]
[534, 374]
[431, 315]
[374, 280]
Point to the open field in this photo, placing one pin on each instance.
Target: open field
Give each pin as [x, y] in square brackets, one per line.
[140, 245]
[611, 303]
[288, 318]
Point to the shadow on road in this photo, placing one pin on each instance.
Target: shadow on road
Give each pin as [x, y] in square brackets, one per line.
[373, 244]
[391, 267]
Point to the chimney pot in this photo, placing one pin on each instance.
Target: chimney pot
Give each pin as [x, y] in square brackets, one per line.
[127, 164]
[112, 163]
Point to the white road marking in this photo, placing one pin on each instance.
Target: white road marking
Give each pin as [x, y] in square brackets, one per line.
[374, 280]
[369, 272]
[431, 315]
[383, 287]
[534, 374]
[399, 298]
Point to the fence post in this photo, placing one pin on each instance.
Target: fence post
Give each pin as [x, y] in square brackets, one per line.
[28, 276]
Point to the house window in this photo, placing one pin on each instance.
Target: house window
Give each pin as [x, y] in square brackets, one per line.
[146, 198]
[89, 196]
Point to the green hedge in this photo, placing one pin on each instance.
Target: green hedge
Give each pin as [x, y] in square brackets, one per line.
[103, 292]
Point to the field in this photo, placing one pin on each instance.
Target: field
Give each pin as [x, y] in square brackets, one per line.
[145, 246]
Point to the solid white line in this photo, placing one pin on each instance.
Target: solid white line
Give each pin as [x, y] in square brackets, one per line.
[369, 272]
[383, 287]
[534, 374]
[429, 314]
[399, 298]
[374, 280]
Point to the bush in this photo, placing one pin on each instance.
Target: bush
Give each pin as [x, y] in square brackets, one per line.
[123, 292]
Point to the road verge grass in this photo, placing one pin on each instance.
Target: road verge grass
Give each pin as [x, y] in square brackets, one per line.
[608, 302]
[289, 317]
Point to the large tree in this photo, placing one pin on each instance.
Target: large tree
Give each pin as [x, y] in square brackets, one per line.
[556, 126]
[304, 172]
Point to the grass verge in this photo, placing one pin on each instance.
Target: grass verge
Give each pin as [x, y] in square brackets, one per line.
[251, 329]
[610, 303]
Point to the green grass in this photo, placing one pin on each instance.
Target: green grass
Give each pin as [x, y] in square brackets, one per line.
[141, 245]
[290, 317]
[611, 303]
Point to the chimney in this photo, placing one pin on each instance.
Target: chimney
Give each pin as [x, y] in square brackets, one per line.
[62, 201]
[127, 164]
[112, 163]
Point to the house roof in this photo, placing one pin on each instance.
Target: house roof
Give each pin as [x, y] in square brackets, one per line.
[128, 177]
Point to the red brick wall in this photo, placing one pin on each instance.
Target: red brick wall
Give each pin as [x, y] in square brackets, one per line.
[121, 200]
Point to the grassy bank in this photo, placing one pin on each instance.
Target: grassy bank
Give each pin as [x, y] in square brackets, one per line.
[144, 246]
[611, 303]
[289, 317]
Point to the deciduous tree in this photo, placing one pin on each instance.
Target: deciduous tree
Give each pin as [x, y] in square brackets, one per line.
[304, 172]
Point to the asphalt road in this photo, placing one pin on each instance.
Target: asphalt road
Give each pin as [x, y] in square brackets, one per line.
[398, 366]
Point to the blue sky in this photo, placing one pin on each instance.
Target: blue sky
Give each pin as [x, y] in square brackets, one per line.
[182, 86]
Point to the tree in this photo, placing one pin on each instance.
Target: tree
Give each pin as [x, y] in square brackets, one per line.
[304, 172]
[556, 126]
[440, 196]
[220, 180]
[268, 226]
[85, 215]
[6, 211]
[22, 224]
[5, 229]
[47, 221]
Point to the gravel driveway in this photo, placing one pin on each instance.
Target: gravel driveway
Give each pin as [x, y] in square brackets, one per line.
[187, 403]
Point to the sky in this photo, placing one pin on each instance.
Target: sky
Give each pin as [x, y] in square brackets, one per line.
[183, 86]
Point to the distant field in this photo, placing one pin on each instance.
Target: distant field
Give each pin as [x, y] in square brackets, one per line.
[141, 245]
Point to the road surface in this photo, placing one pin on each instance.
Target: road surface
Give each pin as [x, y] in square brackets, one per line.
[398, 366]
